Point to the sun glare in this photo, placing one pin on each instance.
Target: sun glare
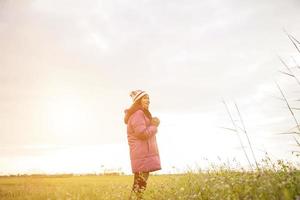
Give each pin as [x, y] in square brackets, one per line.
[66, 115]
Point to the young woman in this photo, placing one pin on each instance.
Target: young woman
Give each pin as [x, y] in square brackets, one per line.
[141, 131]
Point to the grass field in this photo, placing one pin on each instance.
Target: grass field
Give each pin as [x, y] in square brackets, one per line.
[278, 182]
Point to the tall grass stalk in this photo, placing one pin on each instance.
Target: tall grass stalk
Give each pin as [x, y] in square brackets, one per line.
[289, 107]
[237, 132]
[293, 40]
[291, 73]
[292, 113]
[245, 131]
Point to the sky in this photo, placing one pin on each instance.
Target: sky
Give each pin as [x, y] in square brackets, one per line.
[67, 68]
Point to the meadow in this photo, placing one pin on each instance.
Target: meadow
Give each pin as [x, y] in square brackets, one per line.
[277, 180]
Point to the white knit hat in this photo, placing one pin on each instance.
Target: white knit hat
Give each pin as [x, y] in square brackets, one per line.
[136, 95]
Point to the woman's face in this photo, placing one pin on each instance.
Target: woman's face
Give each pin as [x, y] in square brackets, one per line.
[145, 101]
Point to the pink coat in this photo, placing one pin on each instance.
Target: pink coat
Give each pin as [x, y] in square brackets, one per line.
[141, 137]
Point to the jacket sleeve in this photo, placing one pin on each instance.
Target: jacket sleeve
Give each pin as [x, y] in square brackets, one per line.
[140, 129]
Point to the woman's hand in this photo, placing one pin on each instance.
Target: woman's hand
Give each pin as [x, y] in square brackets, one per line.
[155, 121]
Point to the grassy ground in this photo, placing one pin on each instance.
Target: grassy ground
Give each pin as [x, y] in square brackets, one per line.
[268, 184]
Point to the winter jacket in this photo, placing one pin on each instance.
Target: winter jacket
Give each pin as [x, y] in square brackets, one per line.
[144, 154]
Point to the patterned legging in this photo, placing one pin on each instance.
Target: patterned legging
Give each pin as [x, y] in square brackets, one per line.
[140, 183]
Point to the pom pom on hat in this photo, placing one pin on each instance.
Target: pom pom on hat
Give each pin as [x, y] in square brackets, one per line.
[137, 94]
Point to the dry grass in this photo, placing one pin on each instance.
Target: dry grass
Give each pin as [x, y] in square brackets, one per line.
[278, 180]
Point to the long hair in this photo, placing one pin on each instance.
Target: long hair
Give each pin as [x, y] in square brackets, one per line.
[135, 107]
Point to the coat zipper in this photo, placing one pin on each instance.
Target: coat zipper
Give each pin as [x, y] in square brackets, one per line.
[147, 140]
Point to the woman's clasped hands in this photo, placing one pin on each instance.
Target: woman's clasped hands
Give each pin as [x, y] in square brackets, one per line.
[155, 121]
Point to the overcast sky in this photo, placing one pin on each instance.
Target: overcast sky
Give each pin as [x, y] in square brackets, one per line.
[67, 68]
